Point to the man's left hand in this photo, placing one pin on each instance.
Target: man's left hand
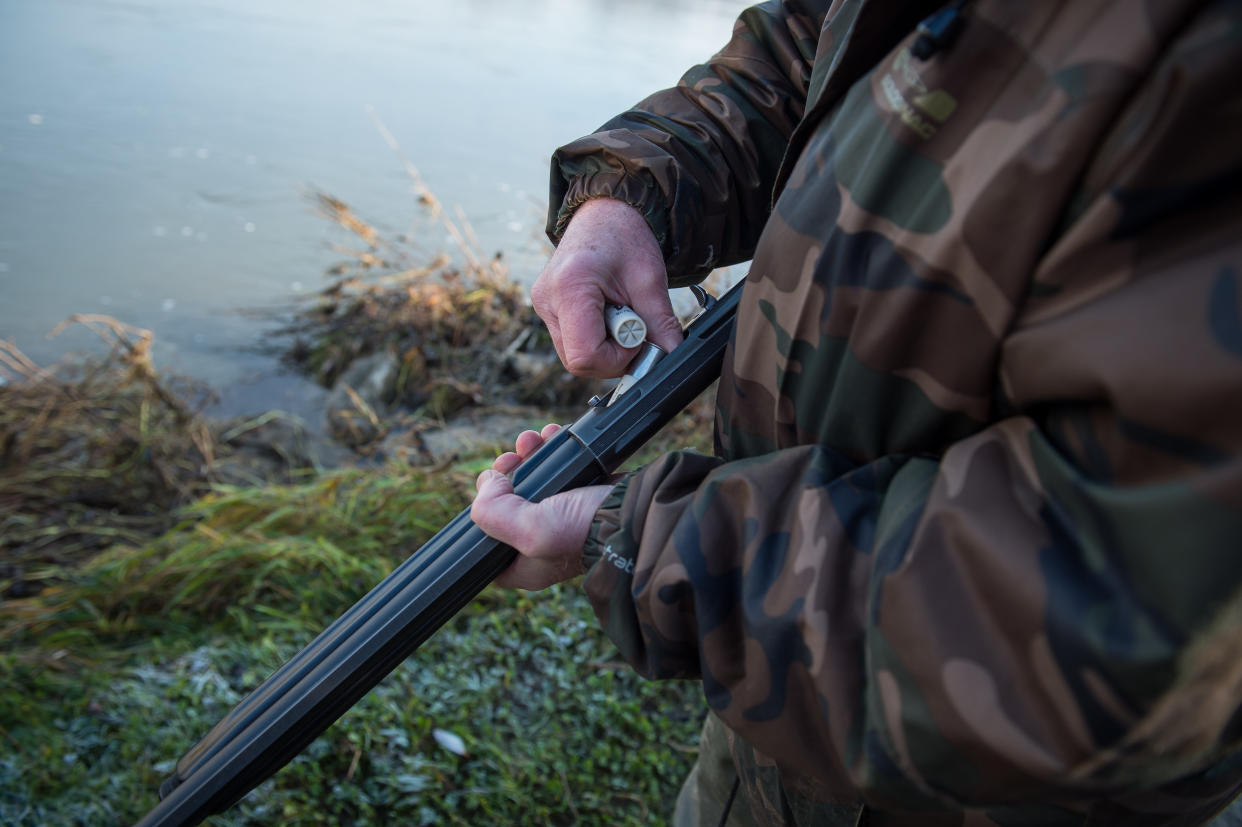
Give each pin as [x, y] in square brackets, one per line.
[549, 535]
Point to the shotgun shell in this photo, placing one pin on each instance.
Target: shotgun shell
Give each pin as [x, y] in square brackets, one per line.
[624, 325]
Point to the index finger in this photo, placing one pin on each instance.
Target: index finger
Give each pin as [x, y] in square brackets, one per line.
[588, 350]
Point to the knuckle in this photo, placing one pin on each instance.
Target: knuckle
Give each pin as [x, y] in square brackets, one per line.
[480, 515]
[539, 290]
[578, 364]
[580, 361]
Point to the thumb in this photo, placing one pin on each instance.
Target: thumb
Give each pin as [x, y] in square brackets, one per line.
[491, 484]
[501, 513]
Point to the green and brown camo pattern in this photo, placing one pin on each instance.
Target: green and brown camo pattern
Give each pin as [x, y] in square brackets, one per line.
[972, 547]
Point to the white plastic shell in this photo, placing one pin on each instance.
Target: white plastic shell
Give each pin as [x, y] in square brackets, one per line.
[626, 328]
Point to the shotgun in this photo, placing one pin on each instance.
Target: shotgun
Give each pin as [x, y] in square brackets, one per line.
[320, 683]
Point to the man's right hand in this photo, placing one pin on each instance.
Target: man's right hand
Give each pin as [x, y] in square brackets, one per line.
[607, 255]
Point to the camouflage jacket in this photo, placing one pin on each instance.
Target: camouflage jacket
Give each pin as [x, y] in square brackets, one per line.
[972, 544]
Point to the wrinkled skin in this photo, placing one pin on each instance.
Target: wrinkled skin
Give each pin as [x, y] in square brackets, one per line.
[608, 254]
[549, 534]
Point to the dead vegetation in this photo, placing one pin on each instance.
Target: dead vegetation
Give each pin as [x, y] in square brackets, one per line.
[92, 453]
[102, 450]
[430, 336]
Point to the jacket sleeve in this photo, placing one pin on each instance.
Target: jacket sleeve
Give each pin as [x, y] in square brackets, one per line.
[1050, 610]
[700, 160]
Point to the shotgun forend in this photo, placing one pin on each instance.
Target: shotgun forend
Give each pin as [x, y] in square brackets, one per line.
[306, 695]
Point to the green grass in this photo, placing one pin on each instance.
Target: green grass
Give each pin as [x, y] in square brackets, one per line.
[106, 679]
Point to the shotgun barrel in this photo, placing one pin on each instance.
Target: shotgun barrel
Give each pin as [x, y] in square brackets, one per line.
[319, 684]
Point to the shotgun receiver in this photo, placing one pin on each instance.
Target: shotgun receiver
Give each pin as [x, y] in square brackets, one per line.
[307, 694]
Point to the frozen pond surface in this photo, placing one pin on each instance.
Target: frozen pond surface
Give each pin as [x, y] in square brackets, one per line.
[155, 154]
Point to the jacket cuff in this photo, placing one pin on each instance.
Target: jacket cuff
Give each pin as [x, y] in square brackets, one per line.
[609, 557]
[574, 183]
[606, 524]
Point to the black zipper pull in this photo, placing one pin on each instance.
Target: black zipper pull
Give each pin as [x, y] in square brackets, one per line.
[938, 31]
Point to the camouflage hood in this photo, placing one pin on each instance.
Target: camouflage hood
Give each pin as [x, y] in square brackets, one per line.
[972, 543]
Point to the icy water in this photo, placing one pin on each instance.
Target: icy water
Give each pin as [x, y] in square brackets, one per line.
[155, 154]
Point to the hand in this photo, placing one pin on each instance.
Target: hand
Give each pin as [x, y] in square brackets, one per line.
[548, 535]
[608, 254]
